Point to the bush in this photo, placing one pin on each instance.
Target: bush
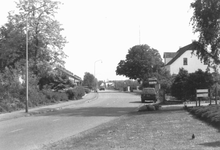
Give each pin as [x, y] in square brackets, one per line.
[87, 90]
[210, 114]
[55, 96]
[76, 93]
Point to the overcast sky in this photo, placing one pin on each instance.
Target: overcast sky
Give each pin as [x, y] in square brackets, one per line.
[106, 29]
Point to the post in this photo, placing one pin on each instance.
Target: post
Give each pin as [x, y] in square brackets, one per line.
[196, 101]
[216, 93]
[210, 97]
[26, 77]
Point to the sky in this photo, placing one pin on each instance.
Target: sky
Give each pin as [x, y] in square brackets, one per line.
[100, 32]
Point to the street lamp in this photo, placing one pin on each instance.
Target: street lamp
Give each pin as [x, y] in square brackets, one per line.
[94, 68]
[26, 76]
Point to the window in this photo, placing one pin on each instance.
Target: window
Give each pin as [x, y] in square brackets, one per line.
[185, 61]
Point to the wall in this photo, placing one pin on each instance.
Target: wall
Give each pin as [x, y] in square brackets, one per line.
[193, 63]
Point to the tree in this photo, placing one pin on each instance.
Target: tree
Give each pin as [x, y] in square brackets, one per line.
[179, 84]
[12, 45]
[206, 22]
[141, 63]
[198, 80]
[89, 80]
[44, 32]
[185, 84]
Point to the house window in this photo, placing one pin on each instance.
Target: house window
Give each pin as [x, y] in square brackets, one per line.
[185, 61]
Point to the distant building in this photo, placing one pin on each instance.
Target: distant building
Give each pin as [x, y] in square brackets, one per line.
[72, 77]
[168, 56]
[183, 58]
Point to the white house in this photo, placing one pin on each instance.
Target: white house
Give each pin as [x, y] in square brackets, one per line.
[184, 58]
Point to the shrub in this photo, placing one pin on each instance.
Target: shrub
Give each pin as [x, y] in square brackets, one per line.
[76, 93]
[71, 94]
[210, 114]
[87, 90]
[55, 96]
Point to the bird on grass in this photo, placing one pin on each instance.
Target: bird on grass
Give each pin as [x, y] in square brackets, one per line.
[193, 136]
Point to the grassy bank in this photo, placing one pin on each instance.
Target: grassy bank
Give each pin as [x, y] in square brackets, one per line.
[166, 129]
[209, 114]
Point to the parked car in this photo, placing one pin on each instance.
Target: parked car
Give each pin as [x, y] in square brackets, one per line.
[148, 94]
[102, 89]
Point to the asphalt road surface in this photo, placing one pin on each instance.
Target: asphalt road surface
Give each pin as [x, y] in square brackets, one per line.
[33, 132]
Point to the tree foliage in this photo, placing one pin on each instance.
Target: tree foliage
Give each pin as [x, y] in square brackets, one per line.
[179, 85]
[198, 80]
[206, 22]
[89, 80]
[184, 85]
[141, 63]
[44, 35]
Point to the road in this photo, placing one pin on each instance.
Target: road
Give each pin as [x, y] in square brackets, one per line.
[33, 132]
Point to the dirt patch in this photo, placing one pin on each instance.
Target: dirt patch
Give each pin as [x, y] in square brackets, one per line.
[155, 130]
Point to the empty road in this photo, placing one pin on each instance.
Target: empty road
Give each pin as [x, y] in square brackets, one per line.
[34, 131]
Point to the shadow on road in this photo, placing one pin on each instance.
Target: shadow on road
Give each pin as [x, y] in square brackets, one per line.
[104, 111]
[91, 111]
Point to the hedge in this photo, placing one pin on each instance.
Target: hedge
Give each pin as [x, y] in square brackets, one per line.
[210, 114]
[13, 102]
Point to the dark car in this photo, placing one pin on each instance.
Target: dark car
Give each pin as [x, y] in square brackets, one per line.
[102, 88]
[148, 94]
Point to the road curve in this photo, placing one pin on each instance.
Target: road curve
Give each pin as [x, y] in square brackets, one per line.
[33, 132]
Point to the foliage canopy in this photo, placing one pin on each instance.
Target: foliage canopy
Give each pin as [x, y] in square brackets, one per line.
[185, 84]
[141, 63]
[206, 22]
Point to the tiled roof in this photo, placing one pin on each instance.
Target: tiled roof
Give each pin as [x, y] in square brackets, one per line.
[181, 51]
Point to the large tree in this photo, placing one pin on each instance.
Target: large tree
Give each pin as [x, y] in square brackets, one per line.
[141, 63]
[89, 80]
[44, 35]
[206, 22]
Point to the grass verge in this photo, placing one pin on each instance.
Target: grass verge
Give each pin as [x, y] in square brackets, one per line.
[209, 114]
[166, 129]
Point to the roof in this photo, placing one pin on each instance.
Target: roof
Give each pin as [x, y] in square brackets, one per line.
[181, 51]
[69, 73]
[169, 54]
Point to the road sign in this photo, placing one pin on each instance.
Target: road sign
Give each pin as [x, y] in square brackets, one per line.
[202, 93]
[152, 82]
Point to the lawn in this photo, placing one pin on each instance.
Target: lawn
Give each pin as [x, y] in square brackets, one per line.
[166, 129]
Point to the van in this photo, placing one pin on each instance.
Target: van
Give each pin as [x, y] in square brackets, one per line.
[148, 94]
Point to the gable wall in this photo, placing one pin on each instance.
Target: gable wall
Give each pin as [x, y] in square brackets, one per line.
[193, 63]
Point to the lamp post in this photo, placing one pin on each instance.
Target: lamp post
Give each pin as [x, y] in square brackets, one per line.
[94, 68]
[26, 76]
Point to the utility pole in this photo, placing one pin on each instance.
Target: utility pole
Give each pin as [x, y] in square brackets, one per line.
[26, 77]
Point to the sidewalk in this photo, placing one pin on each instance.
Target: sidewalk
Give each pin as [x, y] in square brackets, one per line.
[48, 108]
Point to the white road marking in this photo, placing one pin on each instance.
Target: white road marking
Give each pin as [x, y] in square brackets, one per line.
[56, 120]
[16, 130]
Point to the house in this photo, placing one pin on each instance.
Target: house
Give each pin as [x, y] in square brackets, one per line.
[168, 56]
[183, 58]
[72, 77]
